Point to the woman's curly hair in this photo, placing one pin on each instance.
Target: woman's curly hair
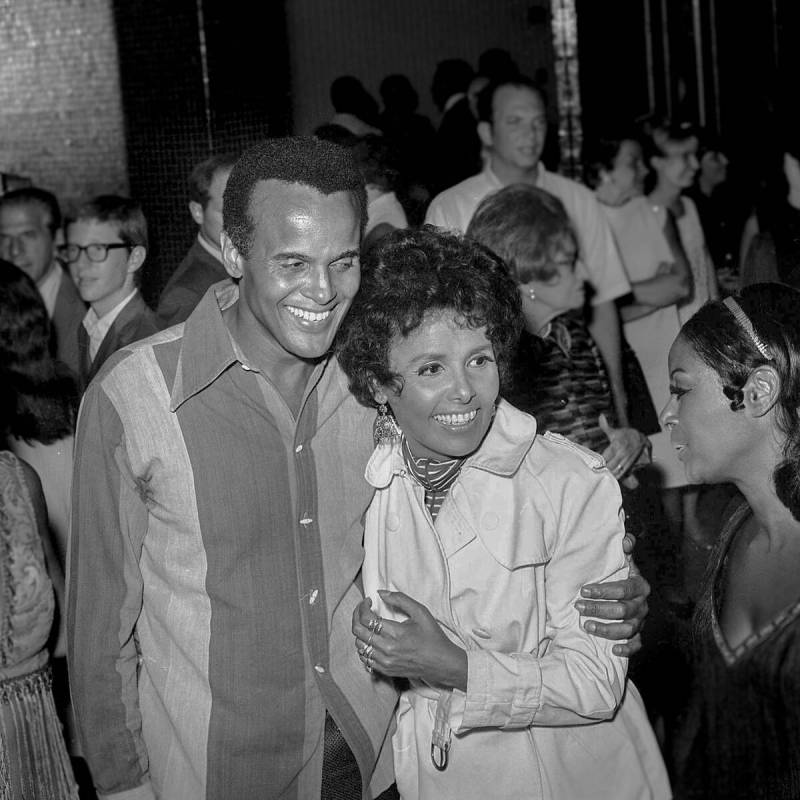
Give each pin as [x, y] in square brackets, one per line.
[725, 346]
[410, 274]
[38, 396]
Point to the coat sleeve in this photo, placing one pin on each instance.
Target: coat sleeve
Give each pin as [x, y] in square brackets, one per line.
[109, 522]
[574, 678]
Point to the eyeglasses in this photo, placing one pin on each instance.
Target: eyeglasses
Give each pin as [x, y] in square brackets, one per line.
[94, 252]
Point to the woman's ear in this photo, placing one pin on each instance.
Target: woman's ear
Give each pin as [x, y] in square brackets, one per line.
[378, 393]
[761, 390]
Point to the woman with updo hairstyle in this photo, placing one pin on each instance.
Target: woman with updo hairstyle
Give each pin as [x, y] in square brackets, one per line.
[734, 374]
[477, 543]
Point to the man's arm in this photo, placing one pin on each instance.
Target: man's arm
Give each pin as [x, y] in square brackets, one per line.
[104, 601]
[624, 601]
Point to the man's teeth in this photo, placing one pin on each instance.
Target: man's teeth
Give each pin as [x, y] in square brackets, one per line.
[456, 419]
[309, 316]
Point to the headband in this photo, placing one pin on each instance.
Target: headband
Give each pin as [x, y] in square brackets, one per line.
[744, 322]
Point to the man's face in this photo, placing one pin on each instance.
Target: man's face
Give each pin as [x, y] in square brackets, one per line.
[678, 166]
[25, 239]
[302, 270]
[517, 133]
[210, 218]
[102, 284]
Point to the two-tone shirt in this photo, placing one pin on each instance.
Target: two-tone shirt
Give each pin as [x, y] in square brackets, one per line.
[214, 568]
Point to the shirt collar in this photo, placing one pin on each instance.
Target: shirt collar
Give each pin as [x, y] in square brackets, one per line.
[209, 248]
[207, 348]
[495, 181]
[452, 100]
[510, 437]
[98, 327]
[49, 285]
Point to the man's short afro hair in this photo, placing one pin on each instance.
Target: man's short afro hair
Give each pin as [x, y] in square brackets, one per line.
[306, 160]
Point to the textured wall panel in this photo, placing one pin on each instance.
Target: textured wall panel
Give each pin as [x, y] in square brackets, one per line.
[60, 109]
[372, 39]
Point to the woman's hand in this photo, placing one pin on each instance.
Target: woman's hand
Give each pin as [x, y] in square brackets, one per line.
[626, 448]
[416, 648]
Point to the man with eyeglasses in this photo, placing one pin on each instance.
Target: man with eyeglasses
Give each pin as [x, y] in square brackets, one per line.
[106, 247]
[30, 224]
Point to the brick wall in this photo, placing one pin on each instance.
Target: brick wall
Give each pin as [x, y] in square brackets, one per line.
[61, 120]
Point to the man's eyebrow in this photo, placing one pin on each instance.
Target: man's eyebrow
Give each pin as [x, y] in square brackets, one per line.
[347, 254]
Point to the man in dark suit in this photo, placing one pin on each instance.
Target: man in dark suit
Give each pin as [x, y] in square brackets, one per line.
[106, 247]
[202, 265]
[30, 224]
[457, 147]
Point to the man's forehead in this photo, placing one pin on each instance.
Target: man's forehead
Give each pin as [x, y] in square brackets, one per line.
[281, 198]
[509, 95]
[23, 216]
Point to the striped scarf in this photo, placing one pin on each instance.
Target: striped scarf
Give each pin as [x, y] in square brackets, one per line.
[436, 477]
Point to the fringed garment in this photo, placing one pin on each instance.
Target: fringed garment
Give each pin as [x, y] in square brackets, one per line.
[34, 764]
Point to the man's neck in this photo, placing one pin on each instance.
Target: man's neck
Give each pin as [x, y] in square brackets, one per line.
[288, 373]
[507, 173]
[209, 246]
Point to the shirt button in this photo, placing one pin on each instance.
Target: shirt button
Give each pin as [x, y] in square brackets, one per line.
[306, 521]
[313, 598]
[298, 448]
[319, 668]
[245, 368]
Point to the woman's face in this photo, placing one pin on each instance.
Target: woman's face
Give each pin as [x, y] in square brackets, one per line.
[699, 418]
[450, 386]
[678, 166]
[629, 172]
[564, 290]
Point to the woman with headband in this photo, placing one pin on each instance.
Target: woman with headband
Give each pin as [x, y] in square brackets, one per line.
[733, 417]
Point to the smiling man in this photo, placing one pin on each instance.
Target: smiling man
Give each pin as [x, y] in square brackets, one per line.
[217, 505]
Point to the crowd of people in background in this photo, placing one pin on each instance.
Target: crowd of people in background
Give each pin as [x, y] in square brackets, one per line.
[646, 316]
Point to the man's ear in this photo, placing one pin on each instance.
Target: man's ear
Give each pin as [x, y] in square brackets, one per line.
[485, 133]
[136, 258]
[231, 257]
[761, 390]
[196, 210]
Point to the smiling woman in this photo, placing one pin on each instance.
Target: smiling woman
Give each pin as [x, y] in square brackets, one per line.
[477, 542]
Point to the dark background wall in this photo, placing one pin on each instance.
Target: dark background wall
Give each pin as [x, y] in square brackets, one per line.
[732, 67]
[61, 119]
[197, 78]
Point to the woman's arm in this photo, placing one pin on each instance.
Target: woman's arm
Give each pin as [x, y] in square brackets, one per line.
[577, 680]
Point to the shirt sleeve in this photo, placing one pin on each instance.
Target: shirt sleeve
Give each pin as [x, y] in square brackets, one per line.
[109, 522]
[576, 680]
[435, 215]
[599, 253]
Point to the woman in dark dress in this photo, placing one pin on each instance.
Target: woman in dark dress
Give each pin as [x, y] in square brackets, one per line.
[733, 417]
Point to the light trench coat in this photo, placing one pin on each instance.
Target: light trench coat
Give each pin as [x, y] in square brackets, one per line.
[529, 520]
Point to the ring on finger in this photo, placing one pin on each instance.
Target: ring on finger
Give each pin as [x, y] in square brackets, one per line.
[367, 652]
[368, 665]
[378, 627]
[369, 641]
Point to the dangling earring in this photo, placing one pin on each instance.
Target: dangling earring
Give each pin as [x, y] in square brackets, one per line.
[384, 429]
[531, 294]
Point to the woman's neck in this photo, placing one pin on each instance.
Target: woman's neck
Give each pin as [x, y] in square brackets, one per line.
[665, 195]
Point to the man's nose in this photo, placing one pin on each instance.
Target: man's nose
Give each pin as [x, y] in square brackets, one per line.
[319, 287]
